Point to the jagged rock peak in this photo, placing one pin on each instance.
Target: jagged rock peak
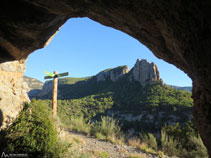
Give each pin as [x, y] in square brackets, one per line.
[112, 74]
[145, 72]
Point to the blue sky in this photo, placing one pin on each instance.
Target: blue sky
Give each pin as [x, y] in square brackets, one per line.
[84, 47]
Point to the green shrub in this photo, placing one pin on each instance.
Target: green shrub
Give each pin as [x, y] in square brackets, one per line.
[150, 140]
[107, 127]
[168, 144]
[199, 149]
[188, 144]
[100, 136]
[33, 133]
[103, 155]
[79, 124]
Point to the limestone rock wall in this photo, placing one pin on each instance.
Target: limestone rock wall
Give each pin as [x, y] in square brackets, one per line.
[112, 74]
[145, 72]
[13, 90]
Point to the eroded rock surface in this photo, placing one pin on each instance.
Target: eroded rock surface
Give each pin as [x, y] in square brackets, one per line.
[145, 72]
[112, 74]
[13, 90]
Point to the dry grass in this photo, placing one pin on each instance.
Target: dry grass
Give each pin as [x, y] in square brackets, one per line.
[78, 154]
[100, 154]
[113, 139]
[145, 148]
[123, 151]
[137, 156]
[134, 141]
[100, 136]
[78, 140]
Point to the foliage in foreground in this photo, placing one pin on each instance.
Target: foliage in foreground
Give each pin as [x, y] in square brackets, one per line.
[33, 133]
[174, 141]
[107, 129]
[183, 141]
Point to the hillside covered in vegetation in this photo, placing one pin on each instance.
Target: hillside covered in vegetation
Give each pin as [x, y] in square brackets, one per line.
[138, 98]
[133, 106]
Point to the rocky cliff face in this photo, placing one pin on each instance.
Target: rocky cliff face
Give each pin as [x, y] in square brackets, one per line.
[33, 83]
[35, 86]
[145, 73]
[112, 74]
[46, 91]
[13, 90]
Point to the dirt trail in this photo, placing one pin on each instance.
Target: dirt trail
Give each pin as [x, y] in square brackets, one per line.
[95, 147]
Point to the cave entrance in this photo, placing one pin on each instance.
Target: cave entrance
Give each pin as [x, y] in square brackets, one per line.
[84, 48]
[176, 31]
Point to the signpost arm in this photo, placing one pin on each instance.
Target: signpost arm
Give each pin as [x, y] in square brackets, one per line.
[54, 98]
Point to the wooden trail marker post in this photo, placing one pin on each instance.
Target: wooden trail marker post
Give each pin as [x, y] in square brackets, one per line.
[55, 76]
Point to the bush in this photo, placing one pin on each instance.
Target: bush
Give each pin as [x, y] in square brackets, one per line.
[34, 133]
[168, 144]
[200, 149]
[79, 124]
[106, 127]
[184, 140]
[150, 140]
[134, 141]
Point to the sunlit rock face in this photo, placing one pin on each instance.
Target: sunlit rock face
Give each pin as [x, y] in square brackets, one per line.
[145, 73]
[178, 32]
[13, 90]
[112, 74]
[34, 85]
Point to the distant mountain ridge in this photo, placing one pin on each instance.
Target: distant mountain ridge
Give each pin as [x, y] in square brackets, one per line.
[143, 72]
[187, 88]
[34, 85]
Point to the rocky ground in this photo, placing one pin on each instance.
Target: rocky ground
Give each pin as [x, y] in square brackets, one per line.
[90, 147]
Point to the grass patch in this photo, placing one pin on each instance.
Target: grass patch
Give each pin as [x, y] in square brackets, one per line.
[150, 140]
[78, 140]
[136, 156]
[107, 129]
[101, 154]
[79, 124]
[168, 144]
[134, 141]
